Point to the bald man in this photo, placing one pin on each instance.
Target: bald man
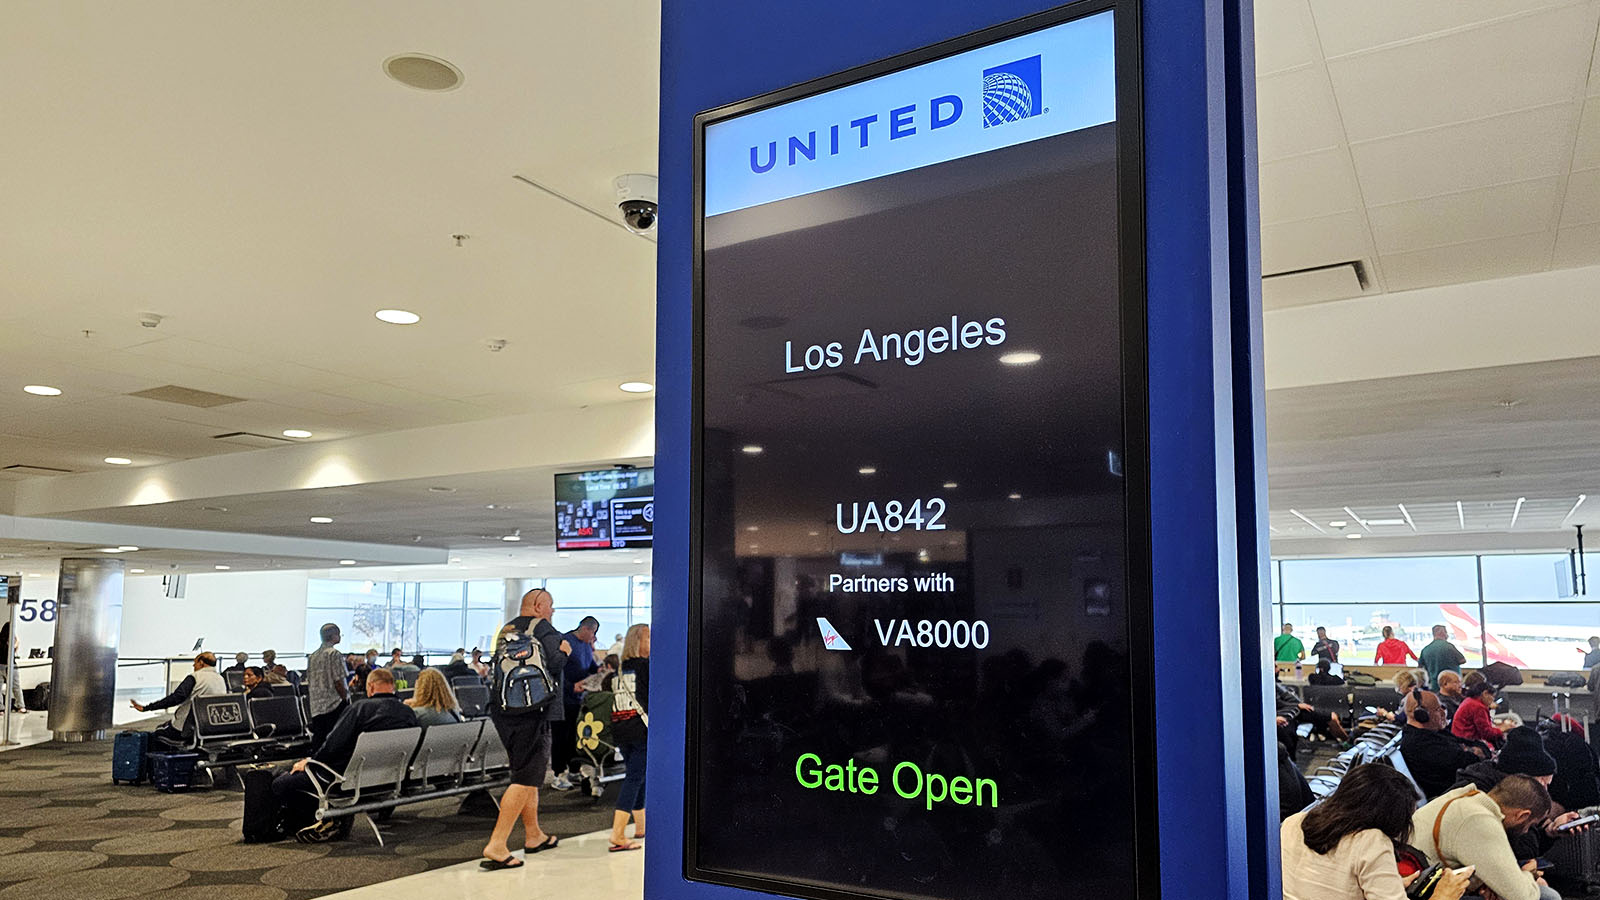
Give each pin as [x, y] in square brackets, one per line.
[526, 737]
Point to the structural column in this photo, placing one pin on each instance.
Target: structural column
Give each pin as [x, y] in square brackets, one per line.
[515, 588]
[83, 679]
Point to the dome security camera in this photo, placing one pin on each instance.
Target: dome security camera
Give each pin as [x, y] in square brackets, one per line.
[636, 200]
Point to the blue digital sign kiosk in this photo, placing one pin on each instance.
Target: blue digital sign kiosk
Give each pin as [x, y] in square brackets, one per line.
[959, 441]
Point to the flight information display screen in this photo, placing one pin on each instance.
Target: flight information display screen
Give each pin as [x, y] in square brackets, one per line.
[915, 632]
[607, 509]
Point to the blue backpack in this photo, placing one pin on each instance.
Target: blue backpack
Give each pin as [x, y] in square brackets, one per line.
[521, 680]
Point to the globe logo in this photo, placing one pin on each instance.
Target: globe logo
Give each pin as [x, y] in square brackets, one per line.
[1006, 98]
[1011, 92]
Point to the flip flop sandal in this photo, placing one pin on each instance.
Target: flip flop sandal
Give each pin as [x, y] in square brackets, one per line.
[549, 843]
[495, 865]
[623, 848]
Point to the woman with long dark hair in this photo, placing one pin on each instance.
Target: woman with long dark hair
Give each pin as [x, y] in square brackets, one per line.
[1343, 848]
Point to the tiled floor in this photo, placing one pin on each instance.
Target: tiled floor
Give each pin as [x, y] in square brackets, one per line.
[579, 867]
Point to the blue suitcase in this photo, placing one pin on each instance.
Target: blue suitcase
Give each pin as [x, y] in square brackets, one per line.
[127, 756]
[171, 772]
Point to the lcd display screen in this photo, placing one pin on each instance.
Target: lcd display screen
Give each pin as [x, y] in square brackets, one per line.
[607, 509]
[913, 624]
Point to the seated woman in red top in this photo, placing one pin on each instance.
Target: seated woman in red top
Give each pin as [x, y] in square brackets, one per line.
[1472, 721]
[1392, 651]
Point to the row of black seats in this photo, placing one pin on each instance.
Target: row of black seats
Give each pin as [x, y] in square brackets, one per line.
[1350, 703]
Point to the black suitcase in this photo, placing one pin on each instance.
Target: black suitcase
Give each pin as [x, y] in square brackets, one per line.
[171, 772]
[127, 756]
[37, 697]
[263, 814]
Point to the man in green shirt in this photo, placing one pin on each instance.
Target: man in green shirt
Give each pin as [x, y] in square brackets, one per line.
[1286, 647]
[1440, 656]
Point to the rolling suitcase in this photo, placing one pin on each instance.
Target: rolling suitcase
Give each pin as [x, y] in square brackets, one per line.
[171, 772]
[263, 814]
[127, 756]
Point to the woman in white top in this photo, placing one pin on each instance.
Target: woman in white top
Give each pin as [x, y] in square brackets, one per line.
[1343, 848]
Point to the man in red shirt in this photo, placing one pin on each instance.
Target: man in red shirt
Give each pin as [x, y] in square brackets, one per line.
[1392, 651]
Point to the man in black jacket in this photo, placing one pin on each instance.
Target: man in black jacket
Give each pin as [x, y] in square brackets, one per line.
[381, 711]
[1432, 754]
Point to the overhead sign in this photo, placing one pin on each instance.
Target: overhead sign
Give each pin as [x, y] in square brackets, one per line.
[912, 659]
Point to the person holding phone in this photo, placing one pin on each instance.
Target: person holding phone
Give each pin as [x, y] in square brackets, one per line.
[1343, 849]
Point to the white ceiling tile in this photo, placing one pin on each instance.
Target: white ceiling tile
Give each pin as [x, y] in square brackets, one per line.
[1515, 147]
[1285, 37]
[1577, 246]
[1308, 186]
[1500, 211]
[1297, 114]
[1532, 60]
[1308, 243]
[1346, 26]
[1582, 205]
[1473, 261]
[1586, 155]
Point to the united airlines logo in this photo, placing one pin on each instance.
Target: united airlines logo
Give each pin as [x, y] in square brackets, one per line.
[1012, 92]
[831, 639]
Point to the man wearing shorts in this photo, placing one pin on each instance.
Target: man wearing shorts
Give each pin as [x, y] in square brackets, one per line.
[527, 740]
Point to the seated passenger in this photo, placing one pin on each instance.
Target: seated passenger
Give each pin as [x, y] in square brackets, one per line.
[1343, 849]
[457, 667]
[1324, 675]
[1405, 680]
[1433, 755]
[1475, 829]
[395, 659]
[1450, 691]
[255, 683]
[434, 702]
[1523, 754]
[205, 682]
[1473, 721]
[276, 675]
[381, 711]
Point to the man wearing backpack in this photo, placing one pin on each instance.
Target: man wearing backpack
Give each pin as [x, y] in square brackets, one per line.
[524, 699]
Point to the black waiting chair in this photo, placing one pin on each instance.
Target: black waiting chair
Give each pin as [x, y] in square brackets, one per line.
[474, 700]
[235, 681]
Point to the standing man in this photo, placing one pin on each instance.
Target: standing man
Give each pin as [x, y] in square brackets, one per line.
[1592, 658]
[1440, 656]
[1286, 647]
[205, 682]
[1326, 649]
[526, 737]
[580, 665]
[328, 680]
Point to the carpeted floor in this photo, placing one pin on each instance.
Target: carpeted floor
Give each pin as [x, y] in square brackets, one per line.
[68, 833]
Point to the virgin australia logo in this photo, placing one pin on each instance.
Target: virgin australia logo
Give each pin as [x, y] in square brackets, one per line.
[1012, 92]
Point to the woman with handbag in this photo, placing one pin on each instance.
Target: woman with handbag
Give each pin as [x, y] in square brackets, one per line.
[630, 717]
[1343, 848]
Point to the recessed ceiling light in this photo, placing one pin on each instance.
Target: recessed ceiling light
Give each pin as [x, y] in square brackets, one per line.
[950, 485]
[1013, 496]
[511, 538]
[34, 575]
[1386, 521]
[564, 555]
[752, 528]
[347, 562]
[398, 316]
[422, 72]
[455, 559]
[638, 560]
[1581, 498]
[1518, 511]
[442, 490]
[867, 470]
[1340, 523]
[752, 449]
[119, 461]
[136, 571]
[222, 568]
[296, 433]
[215, 508]
[1353, 537]
[1020, 358]
[322, 520]
[110, 549]
[637, 387]
[42, 390]
[128, 548]
[813, 533]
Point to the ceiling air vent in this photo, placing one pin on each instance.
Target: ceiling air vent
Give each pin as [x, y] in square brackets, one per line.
[1303, 287]
[251, 439]
[20, 469]
[171, 393]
